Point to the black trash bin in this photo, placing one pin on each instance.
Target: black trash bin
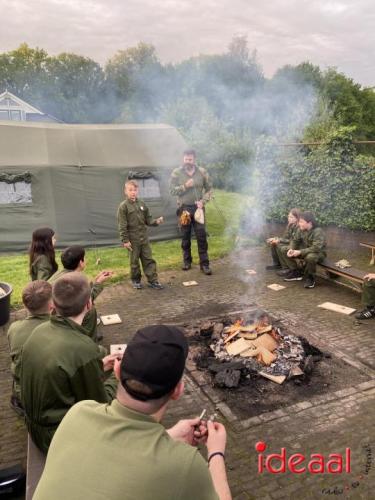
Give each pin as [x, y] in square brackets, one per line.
[5, 302]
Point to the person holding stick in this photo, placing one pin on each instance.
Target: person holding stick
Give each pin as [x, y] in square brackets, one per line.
[147, 461]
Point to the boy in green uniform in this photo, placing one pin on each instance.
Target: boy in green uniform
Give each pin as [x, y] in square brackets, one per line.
[73, 259]
[37, 298]
[147, 461]
[133, 217]
[309, 245]
[61, 364]
[368, 298]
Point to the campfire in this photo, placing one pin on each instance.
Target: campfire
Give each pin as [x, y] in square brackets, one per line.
[252, 349]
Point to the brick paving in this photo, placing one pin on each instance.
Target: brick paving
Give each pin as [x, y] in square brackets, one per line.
[324, 424]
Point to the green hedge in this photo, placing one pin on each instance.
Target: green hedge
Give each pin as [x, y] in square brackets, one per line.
[330, 180]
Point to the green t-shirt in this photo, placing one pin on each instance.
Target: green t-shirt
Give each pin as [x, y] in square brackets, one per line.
[107, 451]
[18, 333]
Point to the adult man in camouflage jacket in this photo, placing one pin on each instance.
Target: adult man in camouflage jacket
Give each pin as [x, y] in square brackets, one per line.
[193, 188]
[310, 246]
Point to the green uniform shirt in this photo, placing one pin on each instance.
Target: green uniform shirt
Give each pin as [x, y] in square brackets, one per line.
[18, 333]
[290, 234]
[312, 241]
[96, 288]
[133, 217]
[41, 268]
[60, 365]
[201, 190]
[111, 452]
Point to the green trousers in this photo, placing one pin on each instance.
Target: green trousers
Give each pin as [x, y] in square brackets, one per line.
[309, 261]
[277, 254]
[368, 293]
[142, 252]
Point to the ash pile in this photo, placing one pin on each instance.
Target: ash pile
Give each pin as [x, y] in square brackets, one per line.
[243, 350]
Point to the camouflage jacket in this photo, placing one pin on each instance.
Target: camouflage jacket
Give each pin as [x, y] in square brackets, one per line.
[201, 190]
[290, 234]
[312, 241]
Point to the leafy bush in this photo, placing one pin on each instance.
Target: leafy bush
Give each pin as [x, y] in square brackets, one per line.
[331, 181]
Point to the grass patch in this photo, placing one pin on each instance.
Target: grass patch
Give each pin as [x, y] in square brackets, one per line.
[222, 226]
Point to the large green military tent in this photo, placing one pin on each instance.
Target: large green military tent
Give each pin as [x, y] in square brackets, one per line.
[71, 177]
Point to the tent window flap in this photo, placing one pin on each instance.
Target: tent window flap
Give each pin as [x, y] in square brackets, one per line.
[15, 192]
[149, 188]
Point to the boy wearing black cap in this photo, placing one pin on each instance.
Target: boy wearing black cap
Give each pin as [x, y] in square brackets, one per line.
[147, 462]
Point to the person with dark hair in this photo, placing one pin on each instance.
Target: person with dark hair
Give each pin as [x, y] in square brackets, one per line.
[73, 260]
[42, 261]
[61, 364]
[279, 244]
[133, 217]
[309, 245]
[193, 188]
[368, 298]
[37, 299]
[147, 461]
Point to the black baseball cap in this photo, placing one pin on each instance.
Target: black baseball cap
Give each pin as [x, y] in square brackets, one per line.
[155, 357]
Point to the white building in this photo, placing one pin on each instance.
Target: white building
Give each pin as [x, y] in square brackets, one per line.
[15, 109]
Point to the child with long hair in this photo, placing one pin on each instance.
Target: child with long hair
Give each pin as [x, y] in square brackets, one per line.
[277, 243]
[42, 254]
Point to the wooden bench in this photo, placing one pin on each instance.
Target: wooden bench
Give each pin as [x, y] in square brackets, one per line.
[35, 465]
[331, 271]
[372, 247]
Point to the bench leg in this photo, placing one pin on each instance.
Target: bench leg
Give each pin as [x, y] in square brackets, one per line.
[372, 261]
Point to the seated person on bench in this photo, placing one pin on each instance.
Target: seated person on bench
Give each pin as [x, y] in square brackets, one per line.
[73, 260]
[309, 245]
[61, 364]
[277, 244]
[37, 299]
[368, 298]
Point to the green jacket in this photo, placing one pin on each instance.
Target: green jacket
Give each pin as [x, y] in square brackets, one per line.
[60, 365]
[290, 234]
[18, 333]
[41, 268]
[201, 190]
[313, 241]
[96, 288]
[133, 217]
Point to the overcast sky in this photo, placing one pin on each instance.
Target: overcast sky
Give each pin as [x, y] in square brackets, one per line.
[337, 33]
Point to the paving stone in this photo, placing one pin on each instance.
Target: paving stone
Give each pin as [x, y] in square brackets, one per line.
[323, 424]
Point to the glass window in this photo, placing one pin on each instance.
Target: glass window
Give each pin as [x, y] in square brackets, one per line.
[149, 188]
[16, 192]
[15, 115]
[4, 115]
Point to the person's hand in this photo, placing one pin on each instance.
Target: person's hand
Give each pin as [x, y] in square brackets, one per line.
[189, 183]
[293, 253]
[199, 204]
[190, 431]
[217, 437]
[103, 276]
[159, 220]
[369, 276]
[128, 246]
[109, 361]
